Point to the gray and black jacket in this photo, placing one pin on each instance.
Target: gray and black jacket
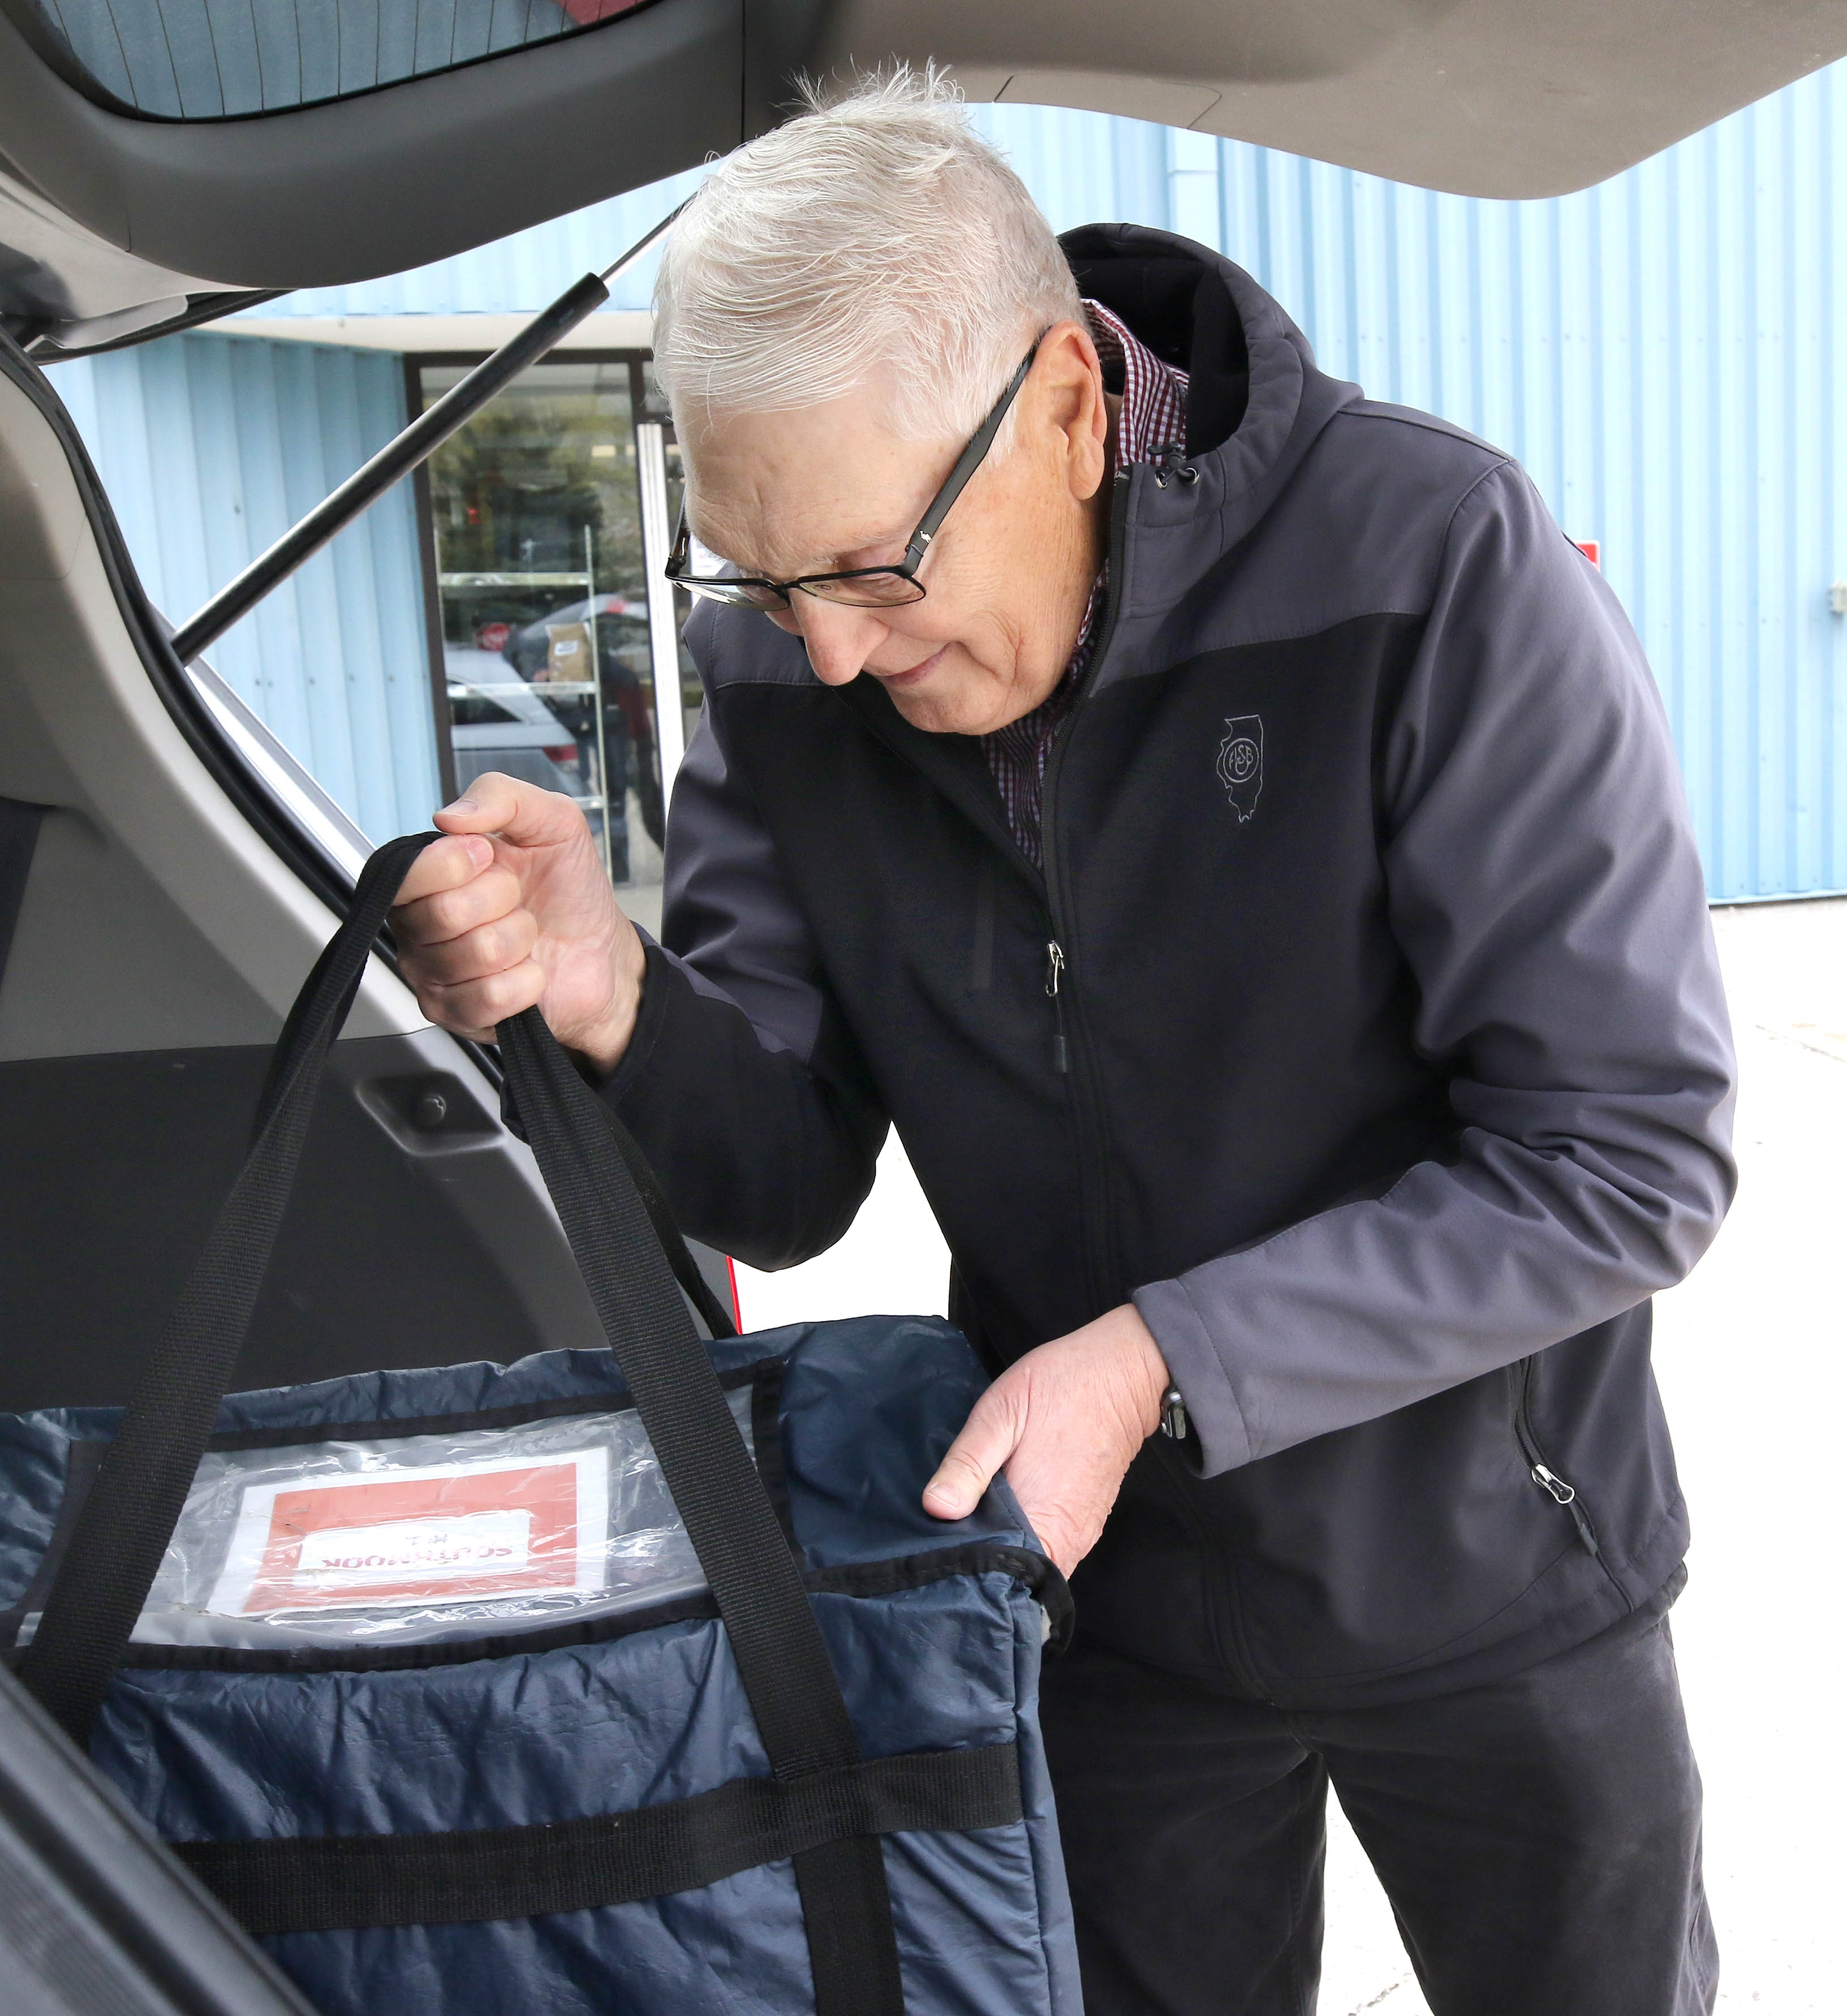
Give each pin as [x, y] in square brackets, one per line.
[1388, 1070]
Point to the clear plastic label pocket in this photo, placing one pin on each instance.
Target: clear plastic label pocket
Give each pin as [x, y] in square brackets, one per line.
[417, 1538]
[434, 1532]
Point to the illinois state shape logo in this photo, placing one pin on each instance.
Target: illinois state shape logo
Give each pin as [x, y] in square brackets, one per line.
[1241, 763]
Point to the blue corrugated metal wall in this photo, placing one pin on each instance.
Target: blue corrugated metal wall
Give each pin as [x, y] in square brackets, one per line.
[514, 274]
[1659, 351]
[210, 448]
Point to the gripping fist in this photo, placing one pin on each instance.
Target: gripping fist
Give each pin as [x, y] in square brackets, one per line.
[513, 910]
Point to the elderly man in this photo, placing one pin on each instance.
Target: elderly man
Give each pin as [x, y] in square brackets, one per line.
[1233, 835]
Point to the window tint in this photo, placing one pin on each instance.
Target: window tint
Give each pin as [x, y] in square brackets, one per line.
[224, 59]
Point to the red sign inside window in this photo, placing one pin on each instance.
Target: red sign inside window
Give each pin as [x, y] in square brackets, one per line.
[433, 1534]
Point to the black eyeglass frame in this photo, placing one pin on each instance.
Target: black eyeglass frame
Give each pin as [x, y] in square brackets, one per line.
[715, 586]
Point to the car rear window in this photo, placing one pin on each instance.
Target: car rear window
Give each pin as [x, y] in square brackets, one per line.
[229, 58]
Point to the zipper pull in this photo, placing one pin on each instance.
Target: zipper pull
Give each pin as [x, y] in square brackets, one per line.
[1550, 1481]
[1555, 1487]
[1054, 973]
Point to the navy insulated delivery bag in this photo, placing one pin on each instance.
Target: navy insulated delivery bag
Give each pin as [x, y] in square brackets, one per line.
[634, 1680]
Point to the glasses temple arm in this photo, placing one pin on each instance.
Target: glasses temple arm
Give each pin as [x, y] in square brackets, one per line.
[966, 463]
[680, 552]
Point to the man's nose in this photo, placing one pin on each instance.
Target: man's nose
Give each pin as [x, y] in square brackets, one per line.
[840, 638]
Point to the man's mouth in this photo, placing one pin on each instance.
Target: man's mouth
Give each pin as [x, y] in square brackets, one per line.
[912, 676]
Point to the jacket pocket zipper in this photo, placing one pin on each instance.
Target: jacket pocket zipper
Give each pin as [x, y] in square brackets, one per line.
[1054, 973]
[1542, 1473]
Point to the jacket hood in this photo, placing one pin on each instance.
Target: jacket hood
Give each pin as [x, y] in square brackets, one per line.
[1255, 401]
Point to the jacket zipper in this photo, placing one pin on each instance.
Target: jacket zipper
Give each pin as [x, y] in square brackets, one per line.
[1055, 973]
[1070, 1054]
[1542, 1473]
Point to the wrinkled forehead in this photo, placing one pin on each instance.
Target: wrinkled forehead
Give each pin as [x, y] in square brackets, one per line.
[800, 492]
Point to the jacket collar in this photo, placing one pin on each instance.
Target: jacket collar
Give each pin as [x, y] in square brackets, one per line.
[1255, 404]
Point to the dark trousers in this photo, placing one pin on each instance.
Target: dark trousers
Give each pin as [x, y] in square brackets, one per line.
[1539, 1837]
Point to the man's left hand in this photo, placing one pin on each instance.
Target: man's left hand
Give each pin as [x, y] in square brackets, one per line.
[1064, 1422]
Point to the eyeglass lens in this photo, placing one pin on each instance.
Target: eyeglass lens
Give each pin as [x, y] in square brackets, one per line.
[867, 590]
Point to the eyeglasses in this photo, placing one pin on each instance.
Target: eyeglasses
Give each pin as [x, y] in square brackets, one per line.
[868, 588]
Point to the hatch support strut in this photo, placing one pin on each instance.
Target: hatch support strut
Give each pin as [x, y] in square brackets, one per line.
[402, 454]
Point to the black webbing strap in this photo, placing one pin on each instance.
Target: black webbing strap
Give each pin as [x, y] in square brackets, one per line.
[119, 1537]
[794, 1693]
[18, 839]
[715, 1314]
[718, 1319]
[344, 1882]
[142, 1481]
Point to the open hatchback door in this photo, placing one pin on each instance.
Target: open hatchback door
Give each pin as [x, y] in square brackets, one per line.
[156, 154]
[167, 871]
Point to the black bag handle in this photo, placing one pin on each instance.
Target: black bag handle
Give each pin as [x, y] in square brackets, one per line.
[716, 1316]
[140, 1490]
[718, 1319]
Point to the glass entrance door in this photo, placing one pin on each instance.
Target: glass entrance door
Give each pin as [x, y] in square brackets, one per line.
[549, 668]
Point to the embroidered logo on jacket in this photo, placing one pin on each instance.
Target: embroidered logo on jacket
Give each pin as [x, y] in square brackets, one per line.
[1241, 763]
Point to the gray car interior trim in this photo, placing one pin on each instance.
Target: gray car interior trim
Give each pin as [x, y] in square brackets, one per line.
[1489, 97]
[84, 729]
[95, 1915]
[410, 1242]
[298, 793]
[19, 841]
[97, 711]
[362, 186]
[164, 929]
[51, 343]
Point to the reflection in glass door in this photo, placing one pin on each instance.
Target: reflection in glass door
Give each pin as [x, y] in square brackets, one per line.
[549, 657]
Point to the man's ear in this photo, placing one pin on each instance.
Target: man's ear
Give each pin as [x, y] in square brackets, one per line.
[1071, 378]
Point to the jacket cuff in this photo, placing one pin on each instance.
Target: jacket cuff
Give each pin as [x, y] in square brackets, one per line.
[1214, 1417]
[657, 981]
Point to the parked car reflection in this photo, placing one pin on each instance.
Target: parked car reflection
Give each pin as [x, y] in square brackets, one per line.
[531, 710]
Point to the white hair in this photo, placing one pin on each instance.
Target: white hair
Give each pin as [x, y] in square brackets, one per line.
[878, 239]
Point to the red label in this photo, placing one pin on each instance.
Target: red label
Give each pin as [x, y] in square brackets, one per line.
[405, 1539]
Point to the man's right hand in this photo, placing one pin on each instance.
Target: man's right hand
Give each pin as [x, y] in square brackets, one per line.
[513, 908]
